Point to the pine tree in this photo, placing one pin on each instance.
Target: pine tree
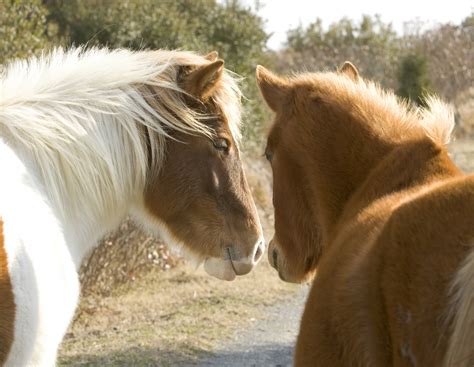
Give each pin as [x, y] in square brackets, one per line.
[413, 82]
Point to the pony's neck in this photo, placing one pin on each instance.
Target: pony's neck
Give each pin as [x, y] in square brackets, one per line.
[339, 162]
[416, 163]
[92, 190]
[354, 167]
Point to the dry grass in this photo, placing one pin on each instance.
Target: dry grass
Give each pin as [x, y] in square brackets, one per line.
[121, 257]
[168, 318]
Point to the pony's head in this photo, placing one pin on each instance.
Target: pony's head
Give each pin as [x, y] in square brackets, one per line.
[198, 193]
[330, 131]
[295, 248]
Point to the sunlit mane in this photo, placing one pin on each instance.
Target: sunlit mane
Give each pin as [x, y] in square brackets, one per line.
[391, 117]
[62, 107]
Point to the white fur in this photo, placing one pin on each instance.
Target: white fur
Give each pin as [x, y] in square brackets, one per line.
[74, 161]
[43, 274]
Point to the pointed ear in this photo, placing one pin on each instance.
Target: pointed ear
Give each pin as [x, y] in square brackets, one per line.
[350, 70]
[202, 80]
[275, 90]
[212, 56]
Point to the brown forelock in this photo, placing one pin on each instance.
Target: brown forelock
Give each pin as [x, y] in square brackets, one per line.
[7, 303]
[201, 193]
[297, 232]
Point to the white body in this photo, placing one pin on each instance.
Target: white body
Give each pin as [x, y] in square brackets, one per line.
[73, 164]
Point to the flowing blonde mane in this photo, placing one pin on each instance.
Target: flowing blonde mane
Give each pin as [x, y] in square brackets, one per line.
[391, 118]
[81, 116]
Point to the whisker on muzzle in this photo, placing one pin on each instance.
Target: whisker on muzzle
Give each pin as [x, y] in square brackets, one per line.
[229, 252]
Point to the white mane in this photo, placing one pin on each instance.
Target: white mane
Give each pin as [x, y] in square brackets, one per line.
[81, 116]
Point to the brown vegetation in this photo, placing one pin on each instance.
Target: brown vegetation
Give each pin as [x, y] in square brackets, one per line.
[123, 256]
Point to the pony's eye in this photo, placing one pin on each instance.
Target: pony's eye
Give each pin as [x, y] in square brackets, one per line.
[221, 144]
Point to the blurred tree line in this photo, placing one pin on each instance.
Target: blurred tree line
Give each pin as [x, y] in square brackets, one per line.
[370, 44]
[23, 28]
[439, 60]
[28, 26]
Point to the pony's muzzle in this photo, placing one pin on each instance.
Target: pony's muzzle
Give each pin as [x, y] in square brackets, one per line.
[232, 263]
[274, 258]
[244, 265]
[273, 254]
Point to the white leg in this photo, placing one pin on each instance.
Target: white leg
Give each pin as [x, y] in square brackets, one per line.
[46, 290]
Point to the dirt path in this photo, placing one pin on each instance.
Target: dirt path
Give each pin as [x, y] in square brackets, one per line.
[268, 342]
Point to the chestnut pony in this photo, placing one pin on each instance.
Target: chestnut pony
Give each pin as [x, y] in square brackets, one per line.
[86, 136]
[365, 192]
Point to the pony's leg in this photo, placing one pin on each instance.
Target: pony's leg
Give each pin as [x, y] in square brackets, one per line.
[61, 293]
[46, 290]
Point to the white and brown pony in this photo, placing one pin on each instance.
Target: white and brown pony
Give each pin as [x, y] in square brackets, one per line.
[365, 192]
[87, 136]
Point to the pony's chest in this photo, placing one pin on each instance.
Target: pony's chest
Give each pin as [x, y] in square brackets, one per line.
[346, 287]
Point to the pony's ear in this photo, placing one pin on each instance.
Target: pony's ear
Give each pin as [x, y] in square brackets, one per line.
[212, 56]
[275, 90]
[202, 80]
[350, 70]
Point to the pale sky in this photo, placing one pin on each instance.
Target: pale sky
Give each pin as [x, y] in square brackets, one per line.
[282, 15]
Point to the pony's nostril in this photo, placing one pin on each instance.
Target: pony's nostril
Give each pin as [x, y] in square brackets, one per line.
[258, 252]
[275, 258]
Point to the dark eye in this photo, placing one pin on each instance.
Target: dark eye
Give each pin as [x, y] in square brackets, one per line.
[221, 144]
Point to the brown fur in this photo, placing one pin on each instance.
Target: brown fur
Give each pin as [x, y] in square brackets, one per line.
[366, 193]
[200, 190]
[7, 303]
